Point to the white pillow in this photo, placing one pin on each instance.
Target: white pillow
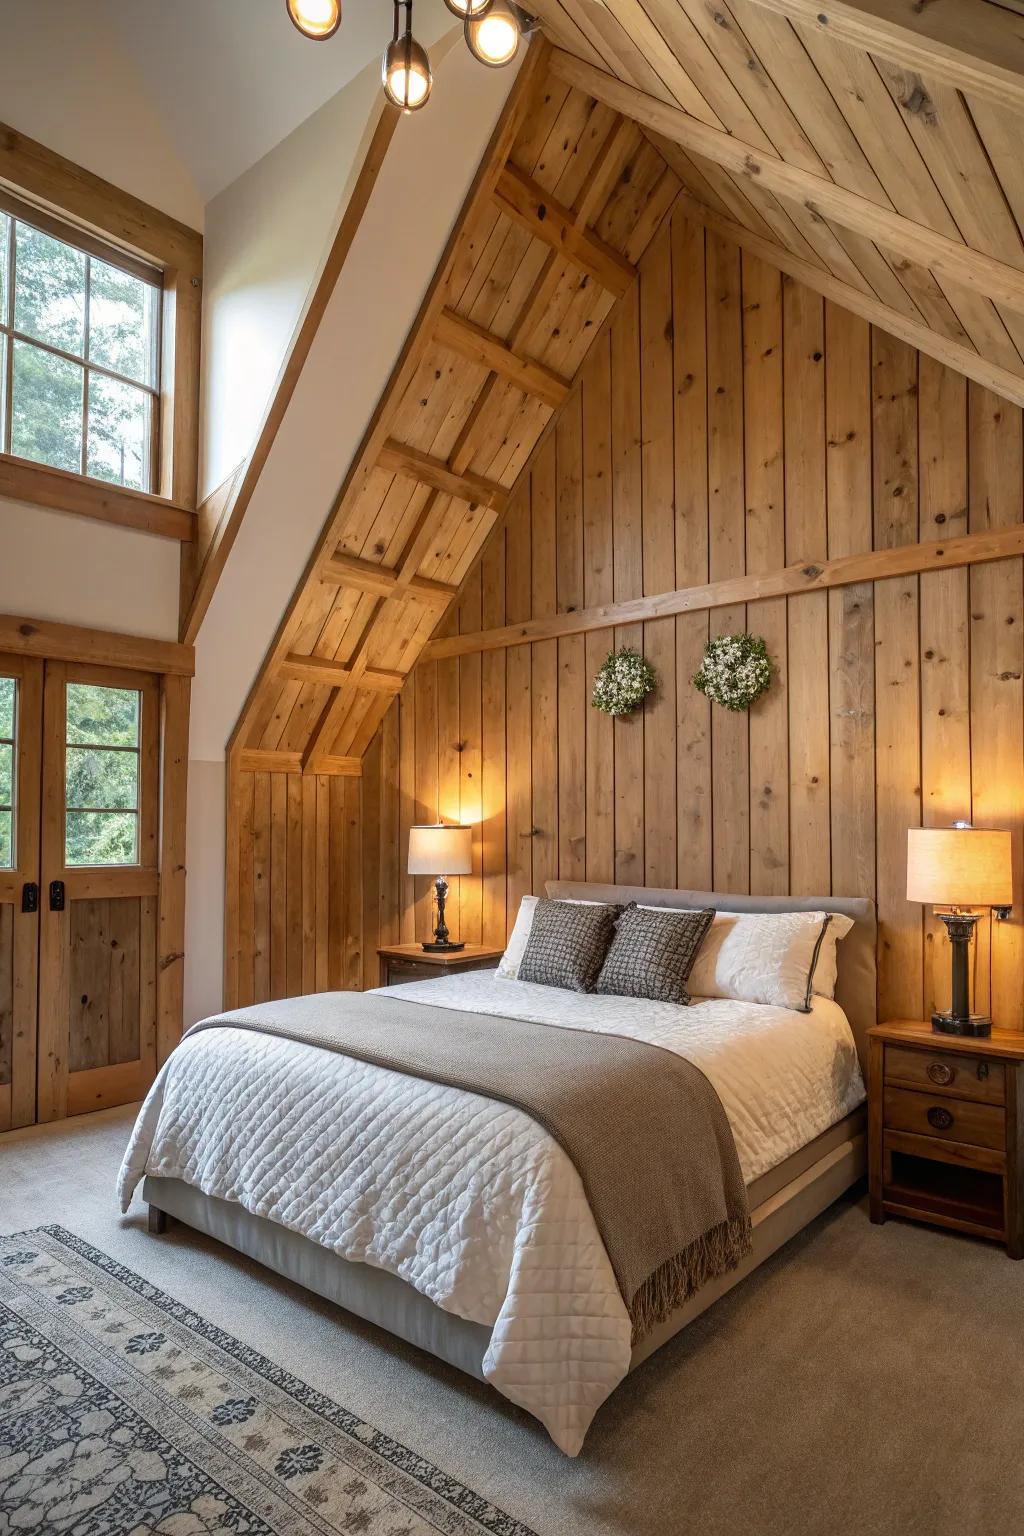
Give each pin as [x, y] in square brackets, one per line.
[827, 969]
[508, 965]
[768, 957]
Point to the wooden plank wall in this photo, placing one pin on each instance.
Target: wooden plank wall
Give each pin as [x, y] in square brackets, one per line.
[734, 421]
[730, 420]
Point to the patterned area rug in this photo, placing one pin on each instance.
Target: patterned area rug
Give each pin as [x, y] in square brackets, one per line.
[123, 1412]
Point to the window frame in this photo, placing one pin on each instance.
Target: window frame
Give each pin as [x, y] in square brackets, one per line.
[13, 741]
[101, 219]
[20, 212]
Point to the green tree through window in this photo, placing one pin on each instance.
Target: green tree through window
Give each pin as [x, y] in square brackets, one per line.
[79, 344]
[101, 789]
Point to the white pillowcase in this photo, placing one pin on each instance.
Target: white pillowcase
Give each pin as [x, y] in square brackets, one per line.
[769, 957]
[512, 959]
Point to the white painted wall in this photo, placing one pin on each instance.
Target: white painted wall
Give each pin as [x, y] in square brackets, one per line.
[54, 565]
[428, 170]
[265, 240]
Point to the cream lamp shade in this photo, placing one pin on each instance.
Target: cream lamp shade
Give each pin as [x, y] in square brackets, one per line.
[440, 850]
[959, 867]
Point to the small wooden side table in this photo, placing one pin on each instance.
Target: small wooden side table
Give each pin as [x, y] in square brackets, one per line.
[946, 1130]
[411, 962]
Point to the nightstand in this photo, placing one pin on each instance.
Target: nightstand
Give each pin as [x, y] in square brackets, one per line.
[946, 1130]
[411, 962]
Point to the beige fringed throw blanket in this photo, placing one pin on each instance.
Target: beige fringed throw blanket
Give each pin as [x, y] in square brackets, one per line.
[644, 1129]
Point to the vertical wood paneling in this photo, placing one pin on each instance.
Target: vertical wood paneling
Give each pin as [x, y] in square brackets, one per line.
[806, 539]
[997, 665]
[727, 421]
[764, 482]
[897, 677]
[730, 749]
[690, 412]
[945, 641]
[544, 679]
[572, 658]
[628, 577]
[598, 587]
[657, 466]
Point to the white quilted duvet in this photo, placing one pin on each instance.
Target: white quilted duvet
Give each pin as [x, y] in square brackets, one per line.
[469, 1200]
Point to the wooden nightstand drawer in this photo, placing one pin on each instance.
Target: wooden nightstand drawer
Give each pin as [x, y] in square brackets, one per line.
[945, 1072]
[924, 1114]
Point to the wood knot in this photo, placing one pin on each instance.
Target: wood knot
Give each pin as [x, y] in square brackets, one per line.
[811, 571]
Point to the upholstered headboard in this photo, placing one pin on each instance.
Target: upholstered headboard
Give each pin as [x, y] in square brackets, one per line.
[856, 985]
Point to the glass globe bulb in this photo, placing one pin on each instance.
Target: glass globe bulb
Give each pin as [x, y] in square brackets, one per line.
[405, 73]
[318, 19]
[464, 8]
[493, 35]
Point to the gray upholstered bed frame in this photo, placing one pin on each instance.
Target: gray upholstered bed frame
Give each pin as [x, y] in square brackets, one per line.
[782, 1202]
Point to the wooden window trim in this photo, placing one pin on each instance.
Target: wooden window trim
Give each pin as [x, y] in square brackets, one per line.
[97, 211]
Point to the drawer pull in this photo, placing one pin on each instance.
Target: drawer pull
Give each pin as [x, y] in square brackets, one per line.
[982, 1071]
[939, 1118]
[940, 1074]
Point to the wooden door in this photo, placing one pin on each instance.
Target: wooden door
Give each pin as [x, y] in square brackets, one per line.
[21, 710]
[99, 889]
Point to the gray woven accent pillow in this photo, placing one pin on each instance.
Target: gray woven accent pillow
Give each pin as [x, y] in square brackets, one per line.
[567, 943]
[652, 953]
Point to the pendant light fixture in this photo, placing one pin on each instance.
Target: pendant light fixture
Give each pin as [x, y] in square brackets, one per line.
[493, 30]
[464, 8]
[493, 33]
[317, 19]
[405, 69]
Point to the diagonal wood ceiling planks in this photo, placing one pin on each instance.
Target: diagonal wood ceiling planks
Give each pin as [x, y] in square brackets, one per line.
[869, 149]
[566, 201]
[875, 141]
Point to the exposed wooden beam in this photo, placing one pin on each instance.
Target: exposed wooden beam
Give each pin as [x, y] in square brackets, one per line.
[221, 517]
[249, 761]
[977, 48]
[45, 487]
[913, 332]
[525, 201]
[472, 341]
[348, 571]
[419, 338]
[876, 565]
[68, 642]
[401, 460]
[320, 669]
[983, 274]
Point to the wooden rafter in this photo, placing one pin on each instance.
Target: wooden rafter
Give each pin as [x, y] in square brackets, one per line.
[347, 571]
[962, 358]
[519, 196]
[814, 576]
[977, 48]
[401, 460]
[476, 343]
[249, 761]
[321, 670]
[959, 263]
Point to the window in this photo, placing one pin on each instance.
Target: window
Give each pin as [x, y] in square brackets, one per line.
[101, 777]
[79, 352]
[8, 718]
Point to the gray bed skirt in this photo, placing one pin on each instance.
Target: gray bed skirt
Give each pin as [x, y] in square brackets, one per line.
[782, 1203]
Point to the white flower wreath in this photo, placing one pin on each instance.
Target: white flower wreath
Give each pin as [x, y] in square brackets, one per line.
[623, 682]
[736, 670]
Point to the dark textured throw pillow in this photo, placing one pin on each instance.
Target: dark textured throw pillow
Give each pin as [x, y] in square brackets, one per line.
[652, 953]
[567, 943]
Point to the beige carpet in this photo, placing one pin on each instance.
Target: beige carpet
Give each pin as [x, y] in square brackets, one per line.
[867, 1380]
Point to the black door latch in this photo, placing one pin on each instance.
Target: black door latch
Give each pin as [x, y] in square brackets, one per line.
[30, 897]
[56, 895]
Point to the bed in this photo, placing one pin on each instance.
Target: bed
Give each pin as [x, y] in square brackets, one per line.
[426, 1231]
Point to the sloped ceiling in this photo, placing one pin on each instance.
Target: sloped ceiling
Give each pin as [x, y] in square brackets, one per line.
[870, 148]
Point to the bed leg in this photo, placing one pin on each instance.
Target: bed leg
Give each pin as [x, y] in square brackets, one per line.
[158, 1220]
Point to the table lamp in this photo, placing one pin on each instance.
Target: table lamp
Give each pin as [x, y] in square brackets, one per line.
[959, 867]
[432, 849]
